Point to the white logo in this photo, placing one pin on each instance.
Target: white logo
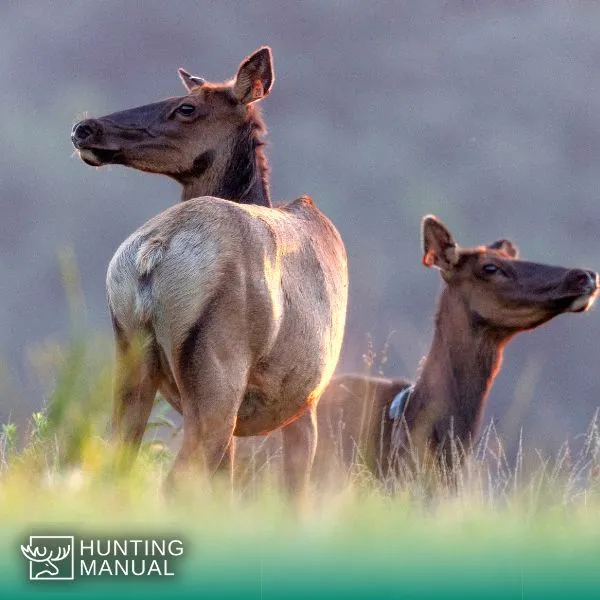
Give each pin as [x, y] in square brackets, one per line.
[50, 557]
[53, 557]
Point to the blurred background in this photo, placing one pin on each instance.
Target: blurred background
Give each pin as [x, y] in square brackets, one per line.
[484, 113]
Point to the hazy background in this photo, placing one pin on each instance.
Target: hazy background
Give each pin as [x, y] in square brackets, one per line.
[484, 113]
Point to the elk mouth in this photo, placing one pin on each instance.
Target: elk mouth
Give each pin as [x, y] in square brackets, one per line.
[585, 288]
[97, 157]
[583, 303]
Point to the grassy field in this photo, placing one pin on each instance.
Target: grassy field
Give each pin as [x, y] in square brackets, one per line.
[522, 528]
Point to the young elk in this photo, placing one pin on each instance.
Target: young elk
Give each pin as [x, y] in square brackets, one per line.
[240, 307]
[488, 297]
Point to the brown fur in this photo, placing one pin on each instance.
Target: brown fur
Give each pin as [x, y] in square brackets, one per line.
[216, 151]
[234, 310]
[477, 314]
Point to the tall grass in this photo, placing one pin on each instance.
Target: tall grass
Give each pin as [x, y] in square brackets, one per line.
[58, 468]
[64, 449]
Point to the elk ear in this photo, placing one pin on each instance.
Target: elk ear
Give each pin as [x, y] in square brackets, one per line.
[439, 248]
[506, 247]
[255, 76]
[190, 82]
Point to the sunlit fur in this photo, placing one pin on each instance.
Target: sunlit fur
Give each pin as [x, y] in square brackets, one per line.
[477, 314]
[239, 308]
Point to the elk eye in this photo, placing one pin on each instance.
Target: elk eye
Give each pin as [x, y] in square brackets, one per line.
[490, 269]
[186, 110]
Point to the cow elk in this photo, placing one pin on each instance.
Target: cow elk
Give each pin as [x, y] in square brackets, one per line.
[233, 309]
[489, 296]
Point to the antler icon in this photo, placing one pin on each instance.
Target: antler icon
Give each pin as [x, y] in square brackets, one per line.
[41, 555]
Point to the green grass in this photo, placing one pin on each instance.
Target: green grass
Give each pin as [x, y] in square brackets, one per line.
[517, 528]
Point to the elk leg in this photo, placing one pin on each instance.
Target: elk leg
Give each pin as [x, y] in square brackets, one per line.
[205, 443]
[299, 447]
[135, 388]
[212, 391]
[227, 463]
[225, 469]
[170, 394]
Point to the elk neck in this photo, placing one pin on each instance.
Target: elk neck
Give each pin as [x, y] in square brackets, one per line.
[236, 170]
[457, 374]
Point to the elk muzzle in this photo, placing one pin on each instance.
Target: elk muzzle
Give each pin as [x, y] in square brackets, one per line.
[583, 286]
[89, 139]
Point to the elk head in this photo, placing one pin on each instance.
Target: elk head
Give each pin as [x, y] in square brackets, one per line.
[497, 289]
[182, 136]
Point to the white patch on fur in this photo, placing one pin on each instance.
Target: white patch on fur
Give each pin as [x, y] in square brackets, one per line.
[149, 256]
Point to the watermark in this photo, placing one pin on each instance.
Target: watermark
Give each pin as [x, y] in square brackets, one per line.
[67, 557]
[50, 557]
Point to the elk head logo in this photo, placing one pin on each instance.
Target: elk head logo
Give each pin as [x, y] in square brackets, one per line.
[47, 558]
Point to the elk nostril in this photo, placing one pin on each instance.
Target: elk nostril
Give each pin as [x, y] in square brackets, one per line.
[585, 279]
[83, 130]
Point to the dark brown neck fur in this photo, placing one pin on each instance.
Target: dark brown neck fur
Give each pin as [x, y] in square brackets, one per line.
[456, 376]
[237, 172]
